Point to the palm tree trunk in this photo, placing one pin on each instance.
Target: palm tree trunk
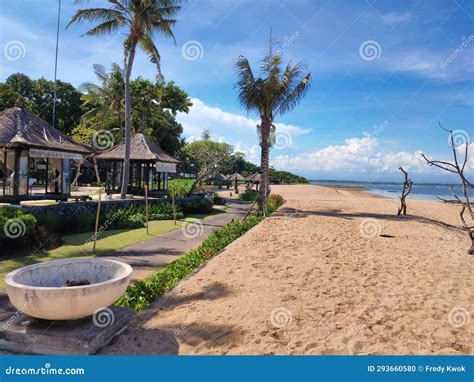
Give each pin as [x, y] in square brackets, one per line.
[128, 123]
[264, 160]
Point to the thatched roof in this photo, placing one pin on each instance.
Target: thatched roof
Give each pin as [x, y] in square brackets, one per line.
[235, 176]
[253, 177]
[141, 148]
[19, 127]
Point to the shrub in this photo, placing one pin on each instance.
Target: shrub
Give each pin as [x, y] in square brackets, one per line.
[197, 206]
[248, 196]
[15, 222]
[142, 293]
[273, 202]
[185, 184]
[133, 221]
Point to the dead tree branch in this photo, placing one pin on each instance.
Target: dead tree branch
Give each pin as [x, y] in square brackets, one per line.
[407, 186]
[458, 166]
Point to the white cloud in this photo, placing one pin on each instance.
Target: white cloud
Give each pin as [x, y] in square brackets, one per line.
[355, 158]
[202, 116]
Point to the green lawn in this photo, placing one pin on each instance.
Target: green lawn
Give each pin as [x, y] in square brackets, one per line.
[80, 245]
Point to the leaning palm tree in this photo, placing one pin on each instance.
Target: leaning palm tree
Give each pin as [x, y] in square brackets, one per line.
[278, 91]
[139, 20]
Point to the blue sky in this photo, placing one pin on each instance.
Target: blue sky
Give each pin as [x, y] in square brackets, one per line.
[384, 74]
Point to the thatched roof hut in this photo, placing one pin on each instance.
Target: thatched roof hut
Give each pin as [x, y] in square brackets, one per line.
[235, 177]
[254, 178]
[20, 128]
[142, 148]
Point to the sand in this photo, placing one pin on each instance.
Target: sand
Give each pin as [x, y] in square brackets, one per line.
[318, 278]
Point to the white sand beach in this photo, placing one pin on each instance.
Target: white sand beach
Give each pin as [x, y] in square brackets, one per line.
[318, 278]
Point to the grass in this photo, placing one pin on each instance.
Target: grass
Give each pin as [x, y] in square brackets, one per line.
[80, 245]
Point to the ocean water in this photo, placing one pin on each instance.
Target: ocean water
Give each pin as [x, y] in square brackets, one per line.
[393, 190]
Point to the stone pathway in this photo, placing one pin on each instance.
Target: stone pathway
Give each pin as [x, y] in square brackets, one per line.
[147, 256]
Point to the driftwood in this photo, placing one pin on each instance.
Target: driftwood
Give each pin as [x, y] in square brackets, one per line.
[458, 167]
[407, 186]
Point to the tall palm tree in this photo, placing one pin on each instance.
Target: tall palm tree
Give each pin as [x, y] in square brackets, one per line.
[139, 20]
[276, 92]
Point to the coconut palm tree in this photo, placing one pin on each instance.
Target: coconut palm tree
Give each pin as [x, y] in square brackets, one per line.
[276, 92]
[104, 101]
[139, 20]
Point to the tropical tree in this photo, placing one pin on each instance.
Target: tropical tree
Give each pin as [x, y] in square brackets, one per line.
[140, 20]
[277, 91]
[104, 102]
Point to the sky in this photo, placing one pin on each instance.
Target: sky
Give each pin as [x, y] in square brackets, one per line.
[385, 74]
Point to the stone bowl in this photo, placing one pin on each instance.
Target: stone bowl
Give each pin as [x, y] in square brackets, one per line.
[40, 290]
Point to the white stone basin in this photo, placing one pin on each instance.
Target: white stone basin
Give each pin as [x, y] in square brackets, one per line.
[38, 290]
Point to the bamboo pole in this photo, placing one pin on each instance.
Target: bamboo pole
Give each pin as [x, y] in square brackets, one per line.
[97, 219]
[146, 208]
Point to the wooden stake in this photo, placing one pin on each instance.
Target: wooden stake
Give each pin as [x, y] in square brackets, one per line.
[146, 208]
[97, 219]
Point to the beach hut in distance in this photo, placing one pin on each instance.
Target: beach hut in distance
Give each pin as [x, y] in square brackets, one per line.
[253, 179]
[236, 178]
[149, 165]
[35, 161]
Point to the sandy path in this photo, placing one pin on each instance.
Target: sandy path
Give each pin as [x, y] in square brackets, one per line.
[316, 278]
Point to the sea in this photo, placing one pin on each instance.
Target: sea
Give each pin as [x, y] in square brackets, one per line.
[428, 191]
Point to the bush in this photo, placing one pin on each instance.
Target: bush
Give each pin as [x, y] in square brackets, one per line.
[273, 202]
[196, 206]
[15, 222]
[133, 221]
[248, 196]
[185, 184]
[142, 293]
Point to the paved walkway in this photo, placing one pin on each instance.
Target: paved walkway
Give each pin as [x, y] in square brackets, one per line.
[147, 256]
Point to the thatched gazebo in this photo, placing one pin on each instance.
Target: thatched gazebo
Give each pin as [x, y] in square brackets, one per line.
[36, 160]
[253, 179]
[236, 178]
[149, 165]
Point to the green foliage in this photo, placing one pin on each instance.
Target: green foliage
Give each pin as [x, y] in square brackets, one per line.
[15, 222]
[285, 177]
[207, 157]
[273, 202]
[196, 206]
[131, 216]
[182, 184]
[248, 196]
[37, 97]
[142, 293]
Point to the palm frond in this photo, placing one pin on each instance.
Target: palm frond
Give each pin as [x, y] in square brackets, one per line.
[295, 95]
[246, 84]
[101, 15]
